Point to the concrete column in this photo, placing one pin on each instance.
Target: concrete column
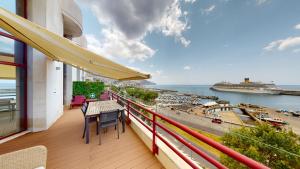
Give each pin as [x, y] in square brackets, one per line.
[68, 84]
[78, 75]
[45, 78]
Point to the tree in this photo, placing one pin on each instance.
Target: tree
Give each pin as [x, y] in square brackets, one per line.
[144, 95]
[276, 149]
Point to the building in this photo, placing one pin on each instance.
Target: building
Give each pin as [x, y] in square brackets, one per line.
[37, 68]
[42, 86]
[42, 69]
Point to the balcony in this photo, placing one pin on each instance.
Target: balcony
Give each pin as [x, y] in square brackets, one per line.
[66, 149]
[143, 133]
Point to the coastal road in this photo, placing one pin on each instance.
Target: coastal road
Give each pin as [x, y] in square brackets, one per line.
[197, 122]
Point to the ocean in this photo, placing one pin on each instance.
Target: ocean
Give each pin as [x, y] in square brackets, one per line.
[7, 86]
[272, 101]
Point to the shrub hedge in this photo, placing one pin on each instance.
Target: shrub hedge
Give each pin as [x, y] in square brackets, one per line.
[88, 89]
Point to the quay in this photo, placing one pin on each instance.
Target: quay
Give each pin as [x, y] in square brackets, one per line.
[290, 92]
[244, 110]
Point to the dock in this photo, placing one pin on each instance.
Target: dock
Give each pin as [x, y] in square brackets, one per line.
[290, 92]
[244, 110]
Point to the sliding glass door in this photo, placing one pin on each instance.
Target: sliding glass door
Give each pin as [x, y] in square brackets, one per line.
[12, 78]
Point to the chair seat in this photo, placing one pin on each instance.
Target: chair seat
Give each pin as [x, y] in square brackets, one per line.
[108, 123]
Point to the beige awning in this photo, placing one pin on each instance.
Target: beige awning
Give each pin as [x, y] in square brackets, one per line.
[62, 49]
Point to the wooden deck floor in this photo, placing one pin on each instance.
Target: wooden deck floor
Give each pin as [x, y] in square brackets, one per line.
[66, 149]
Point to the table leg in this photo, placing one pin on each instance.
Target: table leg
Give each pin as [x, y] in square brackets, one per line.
[123, 120]
[87, 130]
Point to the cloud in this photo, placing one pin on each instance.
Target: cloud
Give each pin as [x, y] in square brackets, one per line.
[172, 25]
[158, 72]
[186, 68]
[209, 9]
[260, 2]
[115, 44]
[297, 26]
[190, 1]
[132, 20]
[283, 44]
[151, 65]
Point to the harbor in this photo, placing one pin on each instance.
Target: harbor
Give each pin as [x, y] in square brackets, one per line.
[223, 115]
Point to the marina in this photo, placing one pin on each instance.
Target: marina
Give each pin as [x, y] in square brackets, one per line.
[278, 102]
[219, 110]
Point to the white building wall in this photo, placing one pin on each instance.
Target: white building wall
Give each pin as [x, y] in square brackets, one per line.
[45, 77]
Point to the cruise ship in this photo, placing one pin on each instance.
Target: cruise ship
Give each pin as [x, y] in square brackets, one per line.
[247, 87]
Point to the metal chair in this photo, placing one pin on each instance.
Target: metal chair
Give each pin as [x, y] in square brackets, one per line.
[84, 108]
[108, 119]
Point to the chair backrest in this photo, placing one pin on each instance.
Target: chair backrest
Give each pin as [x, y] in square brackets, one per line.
[104, 96]
[79, 98]
[84, 107]
[109, 116]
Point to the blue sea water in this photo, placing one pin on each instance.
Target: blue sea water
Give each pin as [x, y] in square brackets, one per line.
[7, 85]
[273, 101]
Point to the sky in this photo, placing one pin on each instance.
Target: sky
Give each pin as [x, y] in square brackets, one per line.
[197, 41]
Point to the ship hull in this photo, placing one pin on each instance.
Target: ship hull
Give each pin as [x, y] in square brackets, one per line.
[249, 91]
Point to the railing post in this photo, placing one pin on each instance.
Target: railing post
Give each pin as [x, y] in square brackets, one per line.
[154, 146]
[109, 95]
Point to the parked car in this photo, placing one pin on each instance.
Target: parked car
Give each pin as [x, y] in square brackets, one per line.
[216, 120]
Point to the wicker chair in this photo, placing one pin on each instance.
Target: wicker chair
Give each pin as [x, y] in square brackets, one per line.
[29, 158]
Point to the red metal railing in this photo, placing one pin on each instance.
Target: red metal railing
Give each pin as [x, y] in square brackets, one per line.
[131, 107]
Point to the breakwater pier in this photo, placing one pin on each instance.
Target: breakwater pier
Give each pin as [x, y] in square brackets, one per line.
[289, 92]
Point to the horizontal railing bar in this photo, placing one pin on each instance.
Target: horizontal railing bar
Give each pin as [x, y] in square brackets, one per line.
[9, 36]
[139, 112]
[193, 148]
[182, 156]
[139, 120]
[12, 64]
[233, 154]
